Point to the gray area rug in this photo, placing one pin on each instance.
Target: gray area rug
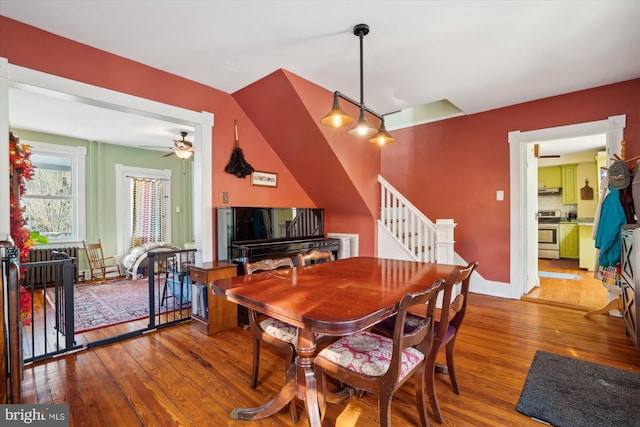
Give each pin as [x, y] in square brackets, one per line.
[567, 392]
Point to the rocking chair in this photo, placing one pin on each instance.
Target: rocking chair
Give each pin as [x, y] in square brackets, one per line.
[101, 268]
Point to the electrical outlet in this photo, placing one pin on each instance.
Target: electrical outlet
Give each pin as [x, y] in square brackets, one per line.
[225, 197]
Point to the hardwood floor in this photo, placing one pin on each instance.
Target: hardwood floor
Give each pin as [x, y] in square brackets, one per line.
[177, 376]
[585, 294]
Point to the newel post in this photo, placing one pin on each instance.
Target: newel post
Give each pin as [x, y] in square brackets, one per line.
[444, 241]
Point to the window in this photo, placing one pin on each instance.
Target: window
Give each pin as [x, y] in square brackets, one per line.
[148, 210]
[143, 216]
[54, 199]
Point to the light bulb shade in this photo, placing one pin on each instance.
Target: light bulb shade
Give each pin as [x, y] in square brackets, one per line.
[336, 117]
[362, 126]
[183, 154]
[382, 136]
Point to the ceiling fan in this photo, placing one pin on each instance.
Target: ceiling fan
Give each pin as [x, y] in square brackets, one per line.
[182, 148]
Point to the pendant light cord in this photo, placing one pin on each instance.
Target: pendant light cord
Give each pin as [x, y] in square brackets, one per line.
[361, 36]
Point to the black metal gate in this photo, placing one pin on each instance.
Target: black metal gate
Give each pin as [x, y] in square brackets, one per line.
[49, 329]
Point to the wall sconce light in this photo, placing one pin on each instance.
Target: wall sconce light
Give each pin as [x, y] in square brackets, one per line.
[336, 117]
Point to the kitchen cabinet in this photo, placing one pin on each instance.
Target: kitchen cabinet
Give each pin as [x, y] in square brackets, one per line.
[569, 240]
[587, 247]
[569, 184]
[550, 176]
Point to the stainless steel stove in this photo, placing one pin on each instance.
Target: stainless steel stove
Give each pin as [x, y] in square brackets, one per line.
[548, 234]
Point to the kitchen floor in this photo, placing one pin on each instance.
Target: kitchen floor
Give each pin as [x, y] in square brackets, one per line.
[581, 292]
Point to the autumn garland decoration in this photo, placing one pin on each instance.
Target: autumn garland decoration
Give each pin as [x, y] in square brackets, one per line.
[20, 165]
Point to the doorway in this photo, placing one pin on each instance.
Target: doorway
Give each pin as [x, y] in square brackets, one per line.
[25, 79]
[523, 253]
[566, 207]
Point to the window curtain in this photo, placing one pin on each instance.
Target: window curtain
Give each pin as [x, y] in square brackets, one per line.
[148, 211]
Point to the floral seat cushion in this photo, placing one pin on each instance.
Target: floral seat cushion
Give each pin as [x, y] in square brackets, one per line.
[282, 330]
[369, 354]
[410, 324]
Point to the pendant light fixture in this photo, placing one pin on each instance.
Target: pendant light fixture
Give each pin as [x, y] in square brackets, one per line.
[336, 117]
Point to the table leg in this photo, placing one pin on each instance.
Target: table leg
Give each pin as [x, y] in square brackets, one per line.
[307, 387]
[274, 405]
[300, 383]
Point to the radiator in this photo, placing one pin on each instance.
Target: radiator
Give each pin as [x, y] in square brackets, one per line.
[40, 274]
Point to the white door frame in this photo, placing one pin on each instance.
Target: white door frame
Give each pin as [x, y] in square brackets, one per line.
[521, 247]
[202, 122]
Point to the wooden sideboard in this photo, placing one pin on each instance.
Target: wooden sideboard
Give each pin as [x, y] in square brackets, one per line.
[221, 314]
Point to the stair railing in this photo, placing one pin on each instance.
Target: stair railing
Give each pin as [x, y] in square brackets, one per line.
[423, 240]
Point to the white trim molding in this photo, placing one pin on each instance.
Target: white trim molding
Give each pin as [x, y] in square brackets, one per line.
[613, 127]
[202, 122]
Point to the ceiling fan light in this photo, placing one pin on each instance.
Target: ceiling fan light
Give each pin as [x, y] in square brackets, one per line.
[362, 127]
[382, 136]
[337, 116]
[183, 154]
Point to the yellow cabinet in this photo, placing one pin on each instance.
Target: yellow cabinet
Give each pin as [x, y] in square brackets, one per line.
[569, 241]
[587, 247]
[551, 176]
[569, 184]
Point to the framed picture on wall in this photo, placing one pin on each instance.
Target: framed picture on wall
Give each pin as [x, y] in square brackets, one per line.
[265, 179]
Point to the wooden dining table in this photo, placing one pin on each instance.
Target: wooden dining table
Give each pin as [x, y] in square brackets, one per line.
[335, 298]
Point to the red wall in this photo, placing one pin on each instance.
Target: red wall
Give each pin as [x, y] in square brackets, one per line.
[453, 168]
[448, 169]
[39, 50]
[338, 171]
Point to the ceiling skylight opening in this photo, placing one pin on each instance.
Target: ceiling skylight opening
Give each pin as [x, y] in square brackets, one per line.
[425, 113]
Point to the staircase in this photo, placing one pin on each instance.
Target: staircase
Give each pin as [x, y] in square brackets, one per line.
[406, 233]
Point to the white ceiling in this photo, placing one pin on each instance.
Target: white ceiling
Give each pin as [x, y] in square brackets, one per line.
[480, 55]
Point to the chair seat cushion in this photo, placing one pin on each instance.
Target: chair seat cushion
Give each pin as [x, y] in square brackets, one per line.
[280, 330]
[369, 354]
[410, 324]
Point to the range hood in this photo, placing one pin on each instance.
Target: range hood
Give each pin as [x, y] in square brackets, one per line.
[548, 191]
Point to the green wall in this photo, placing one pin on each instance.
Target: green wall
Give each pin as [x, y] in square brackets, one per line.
[100, 186]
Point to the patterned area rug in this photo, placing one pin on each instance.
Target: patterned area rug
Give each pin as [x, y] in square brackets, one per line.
[110, 303]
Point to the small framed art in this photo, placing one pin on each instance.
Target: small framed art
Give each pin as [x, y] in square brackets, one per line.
[265, 179]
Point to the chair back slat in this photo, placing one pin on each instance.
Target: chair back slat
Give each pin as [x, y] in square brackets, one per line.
[421, 337]
[267, 264]
[452, 312]
[314, 256]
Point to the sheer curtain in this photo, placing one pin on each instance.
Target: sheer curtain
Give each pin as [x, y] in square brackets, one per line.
[147, 211]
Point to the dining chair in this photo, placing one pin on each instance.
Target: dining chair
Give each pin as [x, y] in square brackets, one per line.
[279, 335]
[446, 326]
[101, 268]
[378, 364]
[314, 256]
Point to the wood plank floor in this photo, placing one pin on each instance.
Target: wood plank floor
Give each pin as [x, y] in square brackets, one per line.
[177, 376]
[585, 294]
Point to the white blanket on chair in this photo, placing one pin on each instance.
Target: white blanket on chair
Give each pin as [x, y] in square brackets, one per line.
[138, 254]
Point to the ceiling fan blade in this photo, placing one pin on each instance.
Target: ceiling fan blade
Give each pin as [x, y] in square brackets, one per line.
[550, 156]
[168, 154]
